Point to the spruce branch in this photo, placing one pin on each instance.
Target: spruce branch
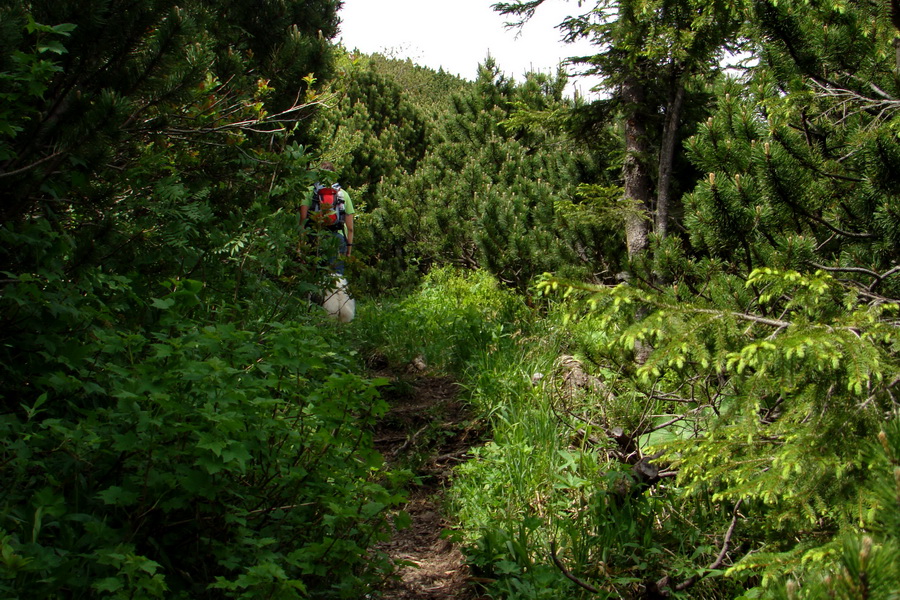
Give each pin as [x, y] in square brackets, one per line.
[524, 9]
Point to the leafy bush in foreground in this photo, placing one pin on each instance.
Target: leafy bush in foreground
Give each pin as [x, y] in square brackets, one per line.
[159, 449]
[169, 426]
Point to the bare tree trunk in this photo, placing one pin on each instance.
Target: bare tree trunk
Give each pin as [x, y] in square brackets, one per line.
[667, 157]
[638, 184]
[636, 171]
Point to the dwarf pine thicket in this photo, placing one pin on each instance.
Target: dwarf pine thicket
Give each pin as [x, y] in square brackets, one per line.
[674, 310]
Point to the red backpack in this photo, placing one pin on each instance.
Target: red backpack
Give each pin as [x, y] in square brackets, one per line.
[327, 207]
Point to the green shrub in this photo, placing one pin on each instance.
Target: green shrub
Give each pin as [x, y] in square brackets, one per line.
[157, 449]
[452, 320]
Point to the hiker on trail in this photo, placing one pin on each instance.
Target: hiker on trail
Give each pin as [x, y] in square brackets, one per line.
[329, 208]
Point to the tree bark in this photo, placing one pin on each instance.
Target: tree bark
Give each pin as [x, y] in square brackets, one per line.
[667, 156]
[636, 171]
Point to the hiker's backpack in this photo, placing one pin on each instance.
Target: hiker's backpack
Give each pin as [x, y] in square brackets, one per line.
[327, 207]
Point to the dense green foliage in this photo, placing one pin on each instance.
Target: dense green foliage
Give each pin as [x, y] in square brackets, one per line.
[744, 399]
[464, 173]
[174, 423]
[203, 450]
[709, 413]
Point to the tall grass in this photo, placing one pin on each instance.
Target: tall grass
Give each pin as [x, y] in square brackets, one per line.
[521, 485]
[548, 480]
[453, 321]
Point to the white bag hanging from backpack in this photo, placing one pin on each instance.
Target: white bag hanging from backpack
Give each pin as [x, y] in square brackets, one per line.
[338, 303]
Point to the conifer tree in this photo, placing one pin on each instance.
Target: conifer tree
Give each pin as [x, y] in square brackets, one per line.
[488, 192]
[371, 130]
[120, 76]
[429, 90]
[802, 162]
[802, 175]
[773, 368]
[650, 56]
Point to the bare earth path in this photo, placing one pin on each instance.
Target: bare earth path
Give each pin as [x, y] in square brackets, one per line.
[427, 428]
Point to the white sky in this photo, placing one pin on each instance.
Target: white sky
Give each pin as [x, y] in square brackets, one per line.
[459, 34]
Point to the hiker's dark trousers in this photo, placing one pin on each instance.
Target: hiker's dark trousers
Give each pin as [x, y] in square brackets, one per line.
[337, 263]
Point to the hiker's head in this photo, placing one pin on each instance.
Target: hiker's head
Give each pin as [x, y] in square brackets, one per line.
[326, 172]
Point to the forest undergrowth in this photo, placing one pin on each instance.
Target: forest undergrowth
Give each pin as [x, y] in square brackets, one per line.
[421, 346]
[581, 485]
[701, 402]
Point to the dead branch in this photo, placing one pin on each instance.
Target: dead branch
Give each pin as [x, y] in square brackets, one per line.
[663, 585]
[742, 317]
[674, 420]
[562, 569]
[410, 440]
[851, 102]
[720, 559]
[878, 277]
[31, 166]
[459, 455]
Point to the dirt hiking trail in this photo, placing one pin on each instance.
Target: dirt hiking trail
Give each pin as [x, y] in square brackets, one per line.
[426, 429]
